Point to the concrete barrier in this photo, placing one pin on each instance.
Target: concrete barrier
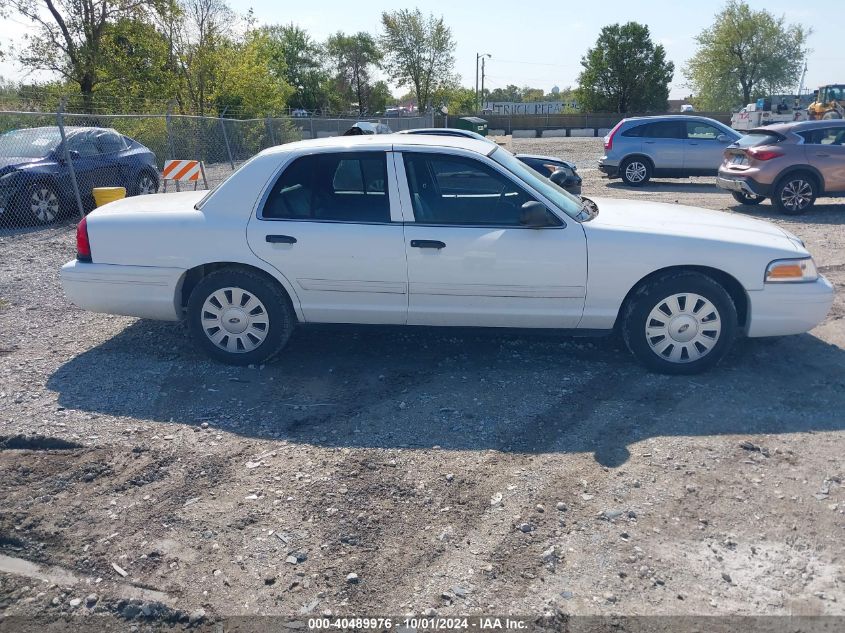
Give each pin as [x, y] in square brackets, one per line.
[524, 134]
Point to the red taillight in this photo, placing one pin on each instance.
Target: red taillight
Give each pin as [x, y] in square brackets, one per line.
[83, 246]
[763, 154]
[608, 140]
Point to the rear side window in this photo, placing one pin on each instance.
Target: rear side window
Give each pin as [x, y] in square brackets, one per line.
[753, 139]
[343, 187]
[824, 136]
[664, 129]
[636, 131]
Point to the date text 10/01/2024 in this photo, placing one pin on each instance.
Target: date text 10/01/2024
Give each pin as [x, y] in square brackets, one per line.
[417, 623]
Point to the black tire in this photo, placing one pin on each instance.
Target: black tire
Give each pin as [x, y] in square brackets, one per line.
[746, 198]
[635, 171]
[795, 193]
[39, 204]
[144, 183]
[276, 309]
[654, 295]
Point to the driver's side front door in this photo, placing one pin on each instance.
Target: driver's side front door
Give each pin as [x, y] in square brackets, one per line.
[472, 260]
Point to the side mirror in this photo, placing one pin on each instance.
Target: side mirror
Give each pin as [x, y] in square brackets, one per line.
[562, 179]
[73, 154]
[535, 215]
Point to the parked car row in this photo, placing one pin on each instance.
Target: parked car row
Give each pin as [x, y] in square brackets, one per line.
[793, 164]
[35, 182]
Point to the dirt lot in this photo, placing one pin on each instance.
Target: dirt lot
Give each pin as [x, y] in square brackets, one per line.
[458, 472]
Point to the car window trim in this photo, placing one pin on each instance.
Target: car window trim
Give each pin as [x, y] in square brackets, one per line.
[485, 160]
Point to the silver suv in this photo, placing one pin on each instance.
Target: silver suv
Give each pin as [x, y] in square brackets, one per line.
[674, 146]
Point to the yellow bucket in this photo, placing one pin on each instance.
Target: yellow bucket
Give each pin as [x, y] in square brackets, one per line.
[104, 195]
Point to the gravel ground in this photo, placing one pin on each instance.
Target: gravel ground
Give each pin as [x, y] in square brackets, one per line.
[452, 472]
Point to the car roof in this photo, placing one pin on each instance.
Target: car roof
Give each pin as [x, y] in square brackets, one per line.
[798, 126]
[73, 129]
[386, 142]
[672, 117]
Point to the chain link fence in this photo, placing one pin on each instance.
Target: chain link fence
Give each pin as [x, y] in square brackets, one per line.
[52, 162]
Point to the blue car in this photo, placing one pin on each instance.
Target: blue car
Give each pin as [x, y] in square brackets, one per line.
[35, 185]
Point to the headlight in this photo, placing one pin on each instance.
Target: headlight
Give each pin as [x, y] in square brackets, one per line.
[792, 270]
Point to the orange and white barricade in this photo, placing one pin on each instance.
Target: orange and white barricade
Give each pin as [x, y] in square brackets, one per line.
[183, 171]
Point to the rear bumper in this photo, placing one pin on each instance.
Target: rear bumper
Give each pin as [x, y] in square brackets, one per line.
[143, 291]
[781, 309]
[744, 185]
[611, 171]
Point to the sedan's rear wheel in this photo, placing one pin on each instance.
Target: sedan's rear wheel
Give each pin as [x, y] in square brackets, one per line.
[747, 198]
[795, 193]
[680, 323]
[635, 171]
[239, 317]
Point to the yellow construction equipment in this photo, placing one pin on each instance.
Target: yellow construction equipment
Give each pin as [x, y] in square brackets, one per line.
[829, 102]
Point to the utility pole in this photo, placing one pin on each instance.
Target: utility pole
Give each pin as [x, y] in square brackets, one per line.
[482, 78]
[480, 56]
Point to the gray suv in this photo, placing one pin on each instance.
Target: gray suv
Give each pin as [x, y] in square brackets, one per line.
[674, 146]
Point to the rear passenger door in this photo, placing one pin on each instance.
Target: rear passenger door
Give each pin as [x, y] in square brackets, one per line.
[331, 224]
[825, 150]
[664, 143]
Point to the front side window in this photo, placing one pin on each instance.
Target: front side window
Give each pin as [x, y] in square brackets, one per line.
[342, 187]
[456, 190]
[84, 143]
[697, 131]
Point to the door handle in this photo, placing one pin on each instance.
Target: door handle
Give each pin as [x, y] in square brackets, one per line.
[823, 155]
[649, 142]
[281, 239]
[428, 244]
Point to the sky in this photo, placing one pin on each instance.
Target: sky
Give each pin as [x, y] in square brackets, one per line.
[539, 44]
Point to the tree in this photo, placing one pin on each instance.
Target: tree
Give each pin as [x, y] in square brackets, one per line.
[625, 72]
[298, 59]
[419, 52]
[743, 55]
[353, 57]
[69, 36]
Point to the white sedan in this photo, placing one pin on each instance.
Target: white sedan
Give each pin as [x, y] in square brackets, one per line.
[438, 231]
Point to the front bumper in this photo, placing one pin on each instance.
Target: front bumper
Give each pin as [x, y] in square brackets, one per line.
[789, 308]
[743, 185]
[148, 292]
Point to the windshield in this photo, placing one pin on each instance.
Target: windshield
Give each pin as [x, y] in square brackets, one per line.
[565, 201]
[33, 143]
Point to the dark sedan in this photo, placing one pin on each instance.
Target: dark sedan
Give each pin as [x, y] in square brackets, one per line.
[35, 184]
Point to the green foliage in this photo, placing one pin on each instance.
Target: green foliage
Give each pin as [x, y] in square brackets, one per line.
[624, 72]
[298, 59]
[743, 55]
[419, 52]
[353, 58]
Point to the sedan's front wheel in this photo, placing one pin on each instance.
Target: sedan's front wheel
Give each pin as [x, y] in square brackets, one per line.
[41, 204]
[239, 317]
[680, 323]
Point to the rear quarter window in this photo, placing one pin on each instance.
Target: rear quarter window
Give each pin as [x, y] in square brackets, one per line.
[636, 131]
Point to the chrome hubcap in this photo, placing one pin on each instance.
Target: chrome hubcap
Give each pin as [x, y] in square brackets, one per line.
[683, 328]
[797, 194]
[635, 171]
[146, 186]
[235, 320]
[44, 205]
